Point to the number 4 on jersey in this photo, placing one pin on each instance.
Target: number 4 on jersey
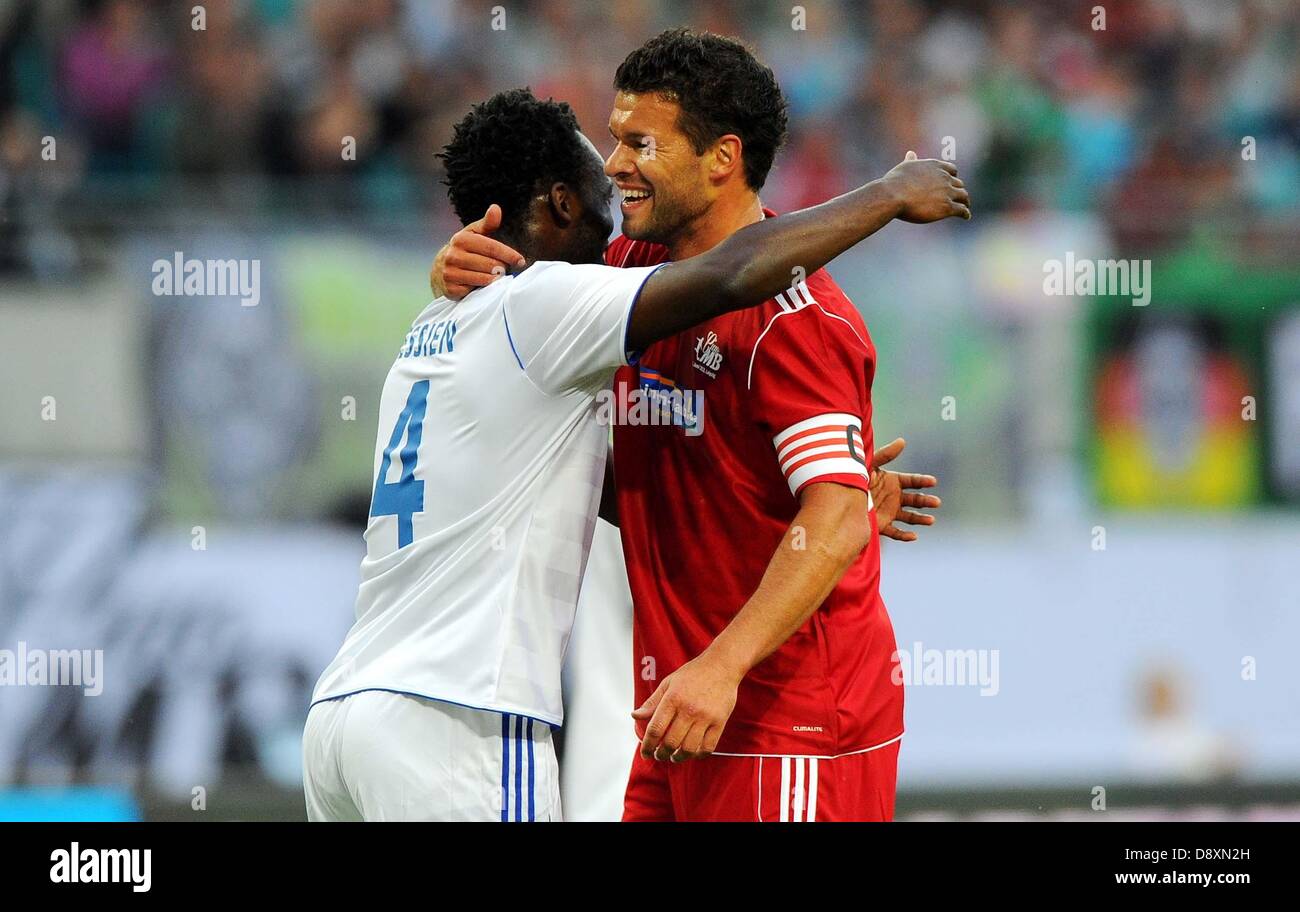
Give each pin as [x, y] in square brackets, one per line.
[404, 497]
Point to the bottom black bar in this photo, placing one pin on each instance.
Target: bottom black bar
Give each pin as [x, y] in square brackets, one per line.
[988, 860]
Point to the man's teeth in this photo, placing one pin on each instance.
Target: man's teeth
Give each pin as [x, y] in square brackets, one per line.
[631, 195]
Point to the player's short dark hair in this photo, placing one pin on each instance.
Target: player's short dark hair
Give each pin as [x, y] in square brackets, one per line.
[721, 88]
[508, 148]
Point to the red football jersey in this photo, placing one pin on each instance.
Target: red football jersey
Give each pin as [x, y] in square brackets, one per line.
[705, 499]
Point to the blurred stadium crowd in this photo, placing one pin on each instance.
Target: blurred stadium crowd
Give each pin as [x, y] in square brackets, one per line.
[1141, 119]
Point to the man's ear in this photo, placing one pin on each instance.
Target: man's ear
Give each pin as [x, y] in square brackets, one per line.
[563, 204]
[726, 157]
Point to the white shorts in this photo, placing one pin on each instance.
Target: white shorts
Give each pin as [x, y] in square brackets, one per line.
[379, 755]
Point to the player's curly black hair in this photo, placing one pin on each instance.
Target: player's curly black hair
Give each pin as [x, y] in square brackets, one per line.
[721, 87]
[508, 148]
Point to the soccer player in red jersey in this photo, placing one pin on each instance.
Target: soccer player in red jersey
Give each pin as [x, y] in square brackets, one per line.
[748, 525]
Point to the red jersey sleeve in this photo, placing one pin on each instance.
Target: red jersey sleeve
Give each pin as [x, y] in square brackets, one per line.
[809, 377]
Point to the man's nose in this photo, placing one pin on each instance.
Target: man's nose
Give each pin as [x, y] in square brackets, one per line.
[618, 163]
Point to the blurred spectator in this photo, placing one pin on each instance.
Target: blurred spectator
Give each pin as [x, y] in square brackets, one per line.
[1143, 121]
[1173, 744]
[112, 63]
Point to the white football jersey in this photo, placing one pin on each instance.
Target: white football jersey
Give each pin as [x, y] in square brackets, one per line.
[488, 470]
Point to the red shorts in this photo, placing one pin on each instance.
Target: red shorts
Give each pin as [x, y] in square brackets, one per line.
[856, 786]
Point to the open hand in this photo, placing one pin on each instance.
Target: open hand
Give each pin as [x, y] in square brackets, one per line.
[891, 492]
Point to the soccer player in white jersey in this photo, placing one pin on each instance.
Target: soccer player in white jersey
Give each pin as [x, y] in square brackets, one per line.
[489, 465]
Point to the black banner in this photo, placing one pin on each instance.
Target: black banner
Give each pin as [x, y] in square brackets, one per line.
[987, 861]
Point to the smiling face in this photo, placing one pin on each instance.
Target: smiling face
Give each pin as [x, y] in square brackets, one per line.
[663, 182]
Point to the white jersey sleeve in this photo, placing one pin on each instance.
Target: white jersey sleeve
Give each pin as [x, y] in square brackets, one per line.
[568, 323]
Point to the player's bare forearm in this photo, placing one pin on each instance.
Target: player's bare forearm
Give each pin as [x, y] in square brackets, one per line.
[829, 532]
[686, 715]
[759, 261]
[756, 263]
[751, 266]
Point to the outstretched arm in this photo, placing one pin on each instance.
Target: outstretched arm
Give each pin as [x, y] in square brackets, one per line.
[759, 260]
[915, 191]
